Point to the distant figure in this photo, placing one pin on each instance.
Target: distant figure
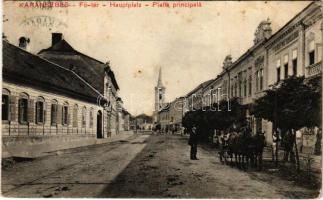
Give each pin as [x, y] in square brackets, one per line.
[275, 145]
[192, 141]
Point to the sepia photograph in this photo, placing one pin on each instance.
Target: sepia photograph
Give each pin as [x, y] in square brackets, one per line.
[161, 99]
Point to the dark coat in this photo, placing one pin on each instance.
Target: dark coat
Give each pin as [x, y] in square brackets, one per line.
[193, 139]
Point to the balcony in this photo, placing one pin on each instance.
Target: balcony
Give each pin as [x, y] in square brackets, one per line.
[314, 70]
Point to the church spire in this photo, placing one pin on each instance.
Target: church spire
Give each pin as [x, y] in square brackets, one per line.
[159, 83]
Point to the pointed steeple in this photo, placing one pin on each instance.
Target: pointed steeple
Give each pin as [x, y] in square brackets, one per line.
[159, 83]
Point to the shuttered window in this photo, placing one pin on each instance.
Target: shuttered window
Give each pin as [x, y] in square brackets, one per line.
[53, 111]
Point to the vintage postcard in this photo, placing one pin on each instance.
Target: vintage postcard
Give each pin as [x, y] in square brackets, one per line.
[161, 99]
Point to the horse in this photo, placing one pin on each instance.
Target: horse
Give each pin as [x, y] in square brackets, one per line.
[246, 149]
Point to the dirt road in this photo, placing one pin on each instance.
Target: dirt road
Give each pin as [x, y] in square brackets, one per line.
[142, 166]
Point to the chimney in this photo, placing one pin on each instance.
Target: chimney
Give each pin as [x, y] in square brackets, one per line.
[23, 42]
[56, 37]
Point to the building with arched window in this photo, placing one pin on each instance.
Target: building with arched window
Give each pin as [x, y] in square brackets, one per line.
[47, 95]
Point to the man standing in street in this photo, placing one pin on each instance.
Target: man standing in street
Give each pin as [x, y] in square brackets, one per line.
[192, 141]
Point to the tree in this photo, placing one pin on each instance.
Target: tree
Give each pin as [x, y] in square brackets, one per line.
[290, 106]
[217, 117]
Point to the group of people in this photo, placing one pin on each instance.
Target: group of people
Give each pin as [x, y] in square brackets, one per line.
[167, 130]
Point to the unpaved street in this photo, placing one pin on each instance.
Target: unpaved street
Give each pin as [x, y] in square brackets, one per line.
[142, 166]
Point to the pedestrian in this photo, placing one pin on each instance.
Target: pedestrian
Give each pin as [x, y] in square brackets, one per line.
[222, 144]
[275, 145]
[192, 141]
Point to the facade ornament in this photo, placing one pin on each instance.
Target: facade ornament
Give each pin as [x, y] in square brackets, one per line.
[263, 31]
[227, 62]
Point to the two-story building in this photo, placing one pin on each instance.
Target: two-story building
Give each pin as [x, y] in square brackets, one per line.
[294, 50]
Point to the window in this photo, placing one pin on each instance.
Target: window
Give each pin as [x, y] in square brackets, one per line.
[107, 89]
[91, 118]
[75, 113]
[240, 83]
[311, 53]
[40, 115]
[278, 70]
[294, 62]
[311, 57]
[231, 89]
[261, 74]
[240, 89]
[278, 74]
[258, 125]
[245, 87]
[5, 104]
[65, 114]
[84, 117]
[286, 70]
[235, 89]
[250, 85]
[53, 112]
[23, 108]
[257, 81]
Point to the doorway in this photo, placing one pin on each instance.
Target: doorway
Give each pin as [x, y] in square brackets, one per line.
[99, 124]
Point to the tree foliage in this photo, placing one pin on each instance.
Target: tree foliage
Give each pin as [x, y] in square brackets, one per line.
[220, 116]
[292, 105]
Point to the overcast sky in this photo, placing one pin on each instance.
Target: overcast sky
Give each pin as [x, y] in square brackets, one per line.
[189, 44]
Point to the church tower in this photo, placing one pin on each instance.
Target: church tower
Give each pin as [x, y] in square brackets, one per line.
[159, 95]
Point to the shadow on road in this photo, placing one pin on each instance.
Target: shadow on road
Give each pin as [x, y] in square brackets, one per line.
[144, 176]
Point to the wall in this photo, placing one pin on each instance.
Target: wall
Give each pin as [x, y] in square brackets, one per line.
[13, 128]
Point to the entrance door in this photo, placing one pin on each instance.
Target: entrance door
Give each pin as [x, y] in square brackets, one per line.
[99, 125]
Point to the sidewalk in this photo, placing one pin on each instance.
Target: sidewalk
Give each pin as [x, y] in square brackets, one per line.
[316, 160]
[33, 147]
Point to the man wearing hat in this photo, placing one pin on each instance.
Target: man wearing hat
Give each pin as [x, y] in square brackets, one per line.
[192, 141]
